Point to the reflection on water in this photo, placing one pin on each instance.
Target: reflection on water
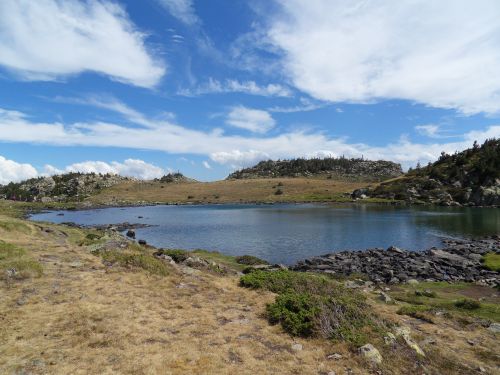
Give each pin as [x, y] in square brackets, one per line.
[287, 233]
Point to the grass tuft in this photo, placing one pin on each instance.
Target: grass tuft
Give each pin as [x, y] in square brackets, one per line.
[15, 263]
[467, 304]
[492, 261]
[146, 262]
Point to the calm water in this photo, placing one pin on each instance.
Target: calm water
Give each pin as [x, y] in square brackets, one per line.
[287, 233]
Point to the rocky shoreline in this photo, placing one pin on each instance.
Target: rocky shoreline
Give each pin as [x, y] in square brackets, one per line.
[458, 260]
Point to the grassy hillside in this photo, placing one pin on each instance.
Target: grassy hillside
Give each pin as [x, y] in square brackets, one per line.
[229, 191]
[471, 177]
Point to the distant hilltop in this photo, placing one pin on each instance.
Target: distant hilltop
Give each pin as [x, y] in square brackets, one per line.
[470, 177]
[334, 168]
[59, 188]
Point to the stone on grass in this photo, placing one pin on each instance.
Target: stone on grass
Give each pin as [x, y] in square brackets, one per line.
[371, 354]
[297, 347]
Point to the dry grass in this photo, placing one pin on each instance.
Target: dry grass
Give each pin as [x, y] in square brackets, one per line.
[82, 317]
[235, 191]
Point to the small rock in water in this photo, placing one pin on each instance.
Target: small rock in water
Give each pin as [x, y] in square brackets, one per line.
[142, 242]
[131, 233]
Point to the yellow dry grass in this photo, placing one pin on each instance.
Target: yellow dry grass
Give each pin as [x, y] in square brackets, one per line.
[81, 317]
[235, 191]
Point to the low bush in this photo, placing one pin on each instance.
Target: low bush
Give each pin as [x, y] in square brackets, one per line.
[278, 192]
[467, 304]
[492, 261]
[296, 312]
[250, 260]
[417, 312]
[426, 293]
[144, 261]
[314, 305]
[177, 255]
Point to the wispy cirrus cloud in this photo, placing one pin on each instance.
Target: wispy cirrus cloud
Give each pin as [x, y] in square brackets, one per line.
[228, 86]
[51, 40]
[183, 10]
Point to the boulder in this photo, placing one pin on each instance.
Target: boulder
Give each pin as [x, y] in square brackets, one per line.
[371, 353]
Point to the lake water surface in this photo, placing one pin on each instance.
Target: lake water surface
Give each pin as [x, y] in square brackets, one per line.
[287, 233]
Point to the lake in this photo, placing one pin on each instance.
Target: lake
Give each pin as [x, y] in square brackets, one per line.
[286, 233]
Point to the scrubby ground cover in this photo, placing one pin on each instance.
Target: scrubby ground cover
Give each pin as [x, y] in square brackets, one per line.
[103, 304]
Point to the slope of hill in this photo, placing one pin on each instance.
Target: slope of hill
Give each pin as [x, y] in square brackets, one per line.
[60, 188]
[471, 177]
[333, 168]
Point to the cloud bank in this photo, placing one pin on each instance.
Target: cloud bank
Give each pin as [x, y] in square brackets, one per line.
[440, 53]
[224, 149]
[50, 40]
[254, 120]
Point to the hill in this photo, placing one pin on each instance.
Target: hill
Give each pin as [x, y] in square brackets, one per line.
[60, 188]
[470, 177]
[332, 168]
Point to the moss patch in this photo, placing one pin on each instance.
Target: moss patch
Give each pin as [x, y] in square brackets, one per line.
[492, 261]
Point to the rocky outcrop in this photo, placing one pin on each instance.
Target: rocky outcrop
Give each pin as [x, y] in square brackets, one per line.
[174, 178]
[459, 260]
[337, 168]
[60, 188]
[471, 177]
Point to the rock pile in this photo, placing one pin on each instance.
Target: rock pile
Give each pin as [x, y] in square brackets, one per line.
[459, 260]
[338, 168]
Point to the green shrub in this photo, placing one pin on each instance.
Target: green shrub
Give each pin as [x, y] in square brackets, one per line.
[296, 312]
[250, 260]
[310, 304]
[418, 312]
[492, 261]
[177, 255]
[426, 293]
[467, 304]
[144, 261]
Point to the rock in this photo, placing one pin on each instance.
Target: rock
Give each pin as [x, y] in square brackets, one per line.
[297, 347]
[75, 264]
[334, 356]
[494, 327]
[412, 281]
[371, 353]
[389, 338]
[404, 332]
[385, 298]
[131, 233]
[395, 249]
[142, 242]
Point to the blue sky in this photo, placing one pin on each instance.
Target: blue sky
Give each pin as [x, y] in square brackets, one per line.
[205, 87]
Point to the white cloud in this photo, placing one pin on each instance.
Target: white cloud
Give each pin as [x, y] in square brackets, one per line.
[206, 164]
[183, 10]
[50, 39]
[129, 168]
[214, 86]
[11, 171]
[429, 130]
[223, 149]
[254, 120]
[305, 105]
[441, 53]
